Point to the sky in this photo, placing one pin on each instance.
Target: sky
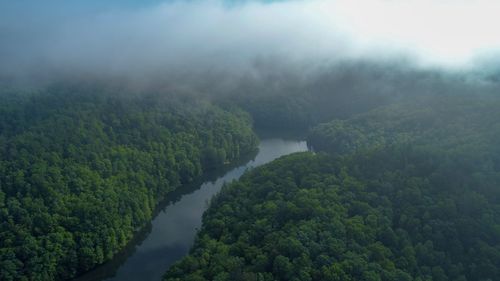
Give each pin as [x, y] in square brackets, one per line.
[141, 37]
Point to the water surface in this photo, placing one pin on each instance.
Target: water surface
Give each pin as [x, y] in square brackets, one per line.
[171, 233]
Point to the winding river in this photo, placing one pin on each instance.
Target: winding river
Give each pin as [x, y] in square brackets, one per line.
[171, 233]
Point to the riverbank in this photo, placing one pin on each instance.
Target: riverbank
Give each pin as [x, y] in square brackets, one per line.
[171, 233]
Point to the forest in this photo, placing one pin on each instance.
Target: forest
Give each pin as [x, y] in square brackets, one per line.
[400, 186]
[405, 188]
[407, 191]
[116, 113]
[81, 171]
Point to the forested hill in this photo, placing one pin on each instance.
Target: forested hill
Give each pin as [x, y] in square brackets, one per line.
[301, 99]
[411, 192]
[80, 172]
[466, 122]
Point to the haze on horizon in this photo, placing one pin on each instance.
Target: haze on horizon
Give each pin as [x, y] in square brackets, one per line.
[112, 110]
[132, 39]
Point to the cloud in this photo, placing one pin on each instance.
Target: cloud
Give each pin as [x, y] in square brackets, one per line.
[451, 33]
[133, 40]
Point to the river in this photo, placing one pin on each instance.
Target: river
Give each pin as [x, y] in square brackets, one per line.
[171, 233]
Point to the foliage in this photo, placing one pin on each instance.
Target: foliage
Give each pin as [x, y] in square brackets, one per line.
[409, 192]
[449, 121]
[289, 97]
[81, 172]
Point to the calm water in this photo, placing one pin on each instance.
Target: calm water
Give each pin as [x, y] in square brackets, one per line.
[171, 233]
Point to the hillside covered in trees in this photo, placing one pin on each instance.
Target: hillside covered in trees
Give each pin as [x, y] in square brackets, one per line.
[81, 172]
[302, 98]
[406, 192]
[109, 109]
[466, 121]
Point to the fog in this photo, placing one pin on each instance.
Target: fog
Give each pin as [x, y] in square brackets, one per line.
[46, 39]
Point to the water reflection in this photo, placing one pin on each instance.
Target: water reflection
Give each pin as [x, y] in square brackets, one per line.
[171, 233]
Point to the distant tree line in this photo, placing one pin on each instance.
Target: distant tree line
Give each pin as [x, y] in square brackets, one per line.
[281, 98]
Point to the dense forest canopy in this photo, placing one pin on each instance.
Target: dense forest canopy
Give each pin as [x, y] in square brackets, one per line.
[407, 191]
[404, 185]
[445, 121]
[84, 164]
[81, 172]
[108, 106]
[283, 96]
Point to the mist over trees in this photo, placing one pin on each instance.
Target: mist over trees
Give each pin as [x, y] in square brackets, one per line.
[83, 144]
[407, 191]
[105, 108]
